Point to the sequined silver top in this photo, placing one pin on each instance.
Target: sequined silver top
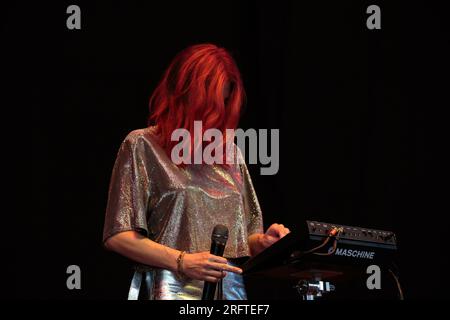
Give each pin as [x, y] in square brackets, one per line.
[179, 207]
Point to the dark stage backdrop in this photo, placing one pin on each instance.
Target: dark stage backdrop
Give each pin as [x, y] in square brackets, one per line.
[360, 113]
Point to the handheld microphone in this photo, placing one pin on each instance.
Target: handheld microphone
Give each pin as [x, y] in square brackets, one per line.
[219, 239]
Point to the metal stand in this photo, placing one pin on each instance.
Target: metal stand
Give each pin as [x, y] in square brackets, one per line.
[310, 290]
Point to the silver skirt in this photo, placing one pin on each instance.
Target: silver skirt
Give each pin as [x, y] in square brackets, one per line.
[161, 284]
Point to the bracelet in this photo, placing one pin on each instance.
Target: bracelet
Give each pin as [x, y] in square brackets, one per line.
[180, 265]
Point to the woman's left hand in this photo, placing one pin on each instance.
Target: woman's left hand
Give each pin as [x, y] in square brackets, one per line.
[274, 233]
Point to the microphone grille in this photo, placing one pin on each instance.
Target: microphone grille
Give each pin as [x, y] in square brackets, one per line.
[220, 232]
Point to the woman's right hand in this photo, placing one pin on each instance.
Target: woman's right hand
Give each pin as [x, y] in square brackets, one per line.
[206, 266]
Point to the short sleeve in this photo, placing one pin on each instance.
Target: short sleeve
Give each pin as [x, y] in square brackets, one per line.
[129, 190]
[251, 204]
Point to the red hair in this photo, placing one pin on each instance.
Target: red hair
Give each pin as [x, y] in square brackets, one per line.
[192, 89]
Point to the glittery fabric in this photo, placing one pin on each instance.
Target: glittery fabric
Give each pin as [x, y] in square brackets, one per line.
[179, 207]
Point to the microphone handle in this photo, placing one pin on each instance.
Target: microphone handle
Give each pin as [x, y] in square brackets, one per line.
[209, 288]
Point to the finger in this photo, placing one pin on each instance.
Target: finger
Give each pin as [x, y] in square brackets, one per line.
[214, 273]
[283, 230]
[279, 230]
[224, 267]
[281, 233]
[274, 226]
[218, 259]
[274, 230]
[211, 279]
[269, 240]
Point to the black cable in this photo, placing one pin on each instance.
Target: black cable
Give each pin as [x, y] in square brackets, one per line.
[399, 287]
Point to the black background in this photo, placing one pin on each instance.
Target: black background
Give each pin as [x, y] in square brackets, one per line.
[361, 115]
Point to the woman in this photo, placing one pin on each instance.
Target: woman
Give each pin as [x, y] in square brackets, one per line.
[161, 215]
